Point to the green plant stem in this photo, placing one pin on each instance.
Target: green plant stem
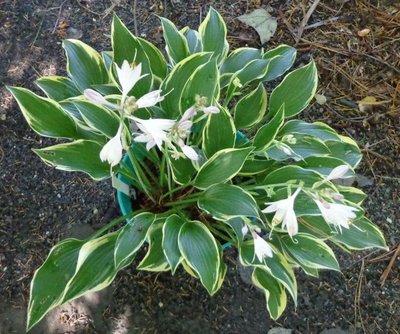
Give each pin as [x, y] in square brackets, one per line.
[169, 181]
[200, 118]
[245, 183]
[137, 167]
[230, 92]
[183, 201]
[141, 176]
[183, 186]
[155, 155]
[148, 171]
[217, 233]
[162, 170]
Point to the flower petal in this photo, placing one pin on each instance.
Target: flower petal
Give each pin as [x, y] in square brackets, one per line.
[150, 99]
[188, 114]
[128, 77]
[185, 125]
[261, 248]
[338, 172]
[339, 215]
[154, 130]
[245, 230]
[94, 96]
[190, 152]
[112, 150]
[290, 221]
[211, 110]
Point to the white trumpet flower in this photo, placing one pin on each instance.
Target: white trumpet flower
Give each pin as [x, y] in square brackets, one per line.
[112, 150]
[284, 213]
[128, 77]
[339, 215]
[154, 131]
[261, 248]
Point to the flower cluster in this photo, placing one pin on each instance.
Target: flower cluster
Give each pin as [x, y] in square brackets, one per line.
[153, 131]
[337, 214]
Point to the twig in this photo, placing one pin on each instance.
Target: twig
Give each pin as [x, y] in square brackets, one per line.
[287, 23]
[58, 17]
[380, 156]
[388, 269]
[109, 10]
[346, 75]
[382, 257]
[37, 33]
[87, 9]
[379, 61]
[321, 23]
[305, 20]
[357, 298]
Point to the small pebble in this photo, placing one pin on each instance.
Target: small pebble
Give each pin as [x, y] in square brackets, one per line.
[363, 32]
[321, 99]
[74, 33]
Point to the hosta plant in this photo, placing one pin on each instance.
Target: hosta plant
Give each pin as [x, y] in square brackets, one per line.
[208, 157]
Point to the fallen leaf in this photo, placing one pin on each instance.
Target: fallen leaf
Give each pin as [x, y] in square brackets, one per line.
[262, 22]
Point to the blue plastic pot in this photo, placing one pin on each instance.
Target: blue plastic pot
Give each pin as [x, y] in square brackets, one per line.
[124, 201]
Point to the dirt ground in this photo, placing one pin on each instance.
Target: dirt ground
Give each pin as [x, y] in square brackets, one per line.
[40, 206]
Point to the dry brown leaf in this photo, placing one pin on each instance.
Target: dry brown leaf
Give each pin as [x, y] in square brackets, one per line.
[262, 22]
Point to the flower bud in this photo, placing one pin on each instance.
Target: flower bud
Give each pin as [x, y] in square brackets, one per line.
[337, 197]
[211, 110]
[130, 105]
[200, 101]
[236, 82]
[188, 114]
[338, 172]
[94, 96]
